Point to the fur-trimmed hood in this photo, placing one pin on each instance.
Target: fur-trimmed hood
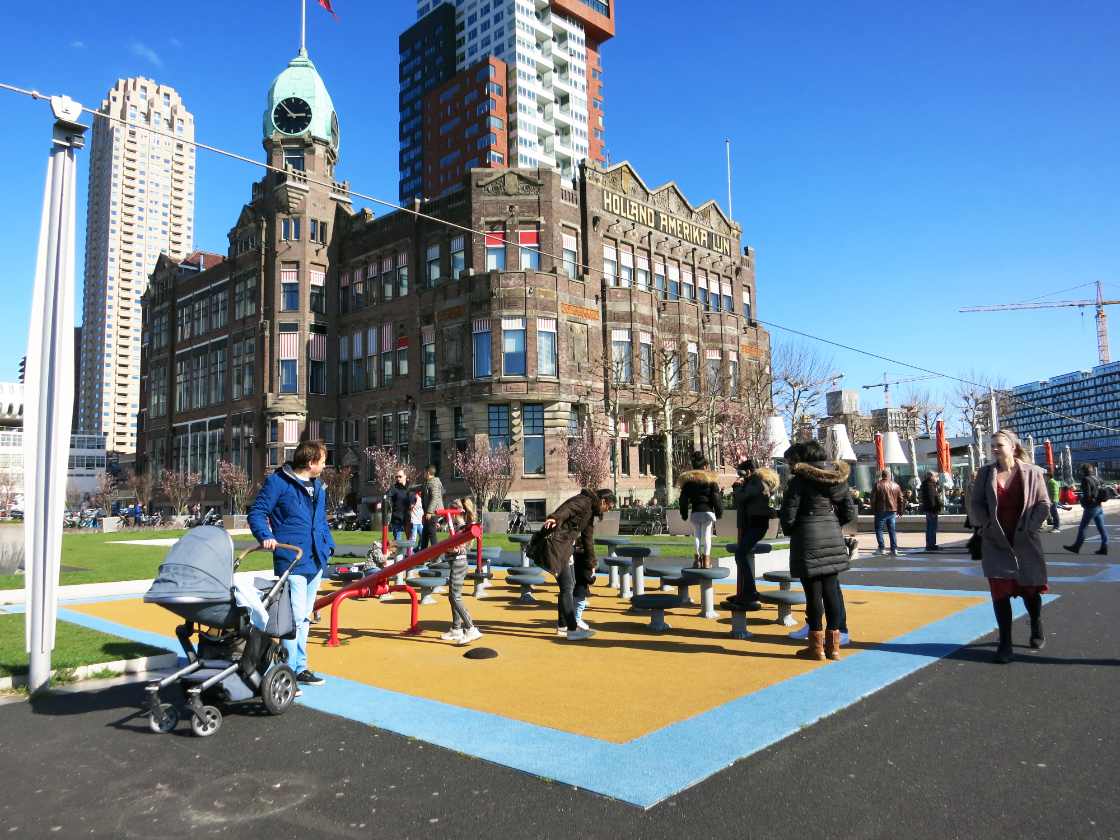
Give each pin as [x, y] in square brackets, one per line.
[824, 472]
[769, 478]
[699, 476]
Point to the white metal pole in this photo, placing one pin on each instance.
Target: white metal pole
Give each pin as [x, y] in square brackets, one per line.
[994, 410]
[302, 26]
[49, 391]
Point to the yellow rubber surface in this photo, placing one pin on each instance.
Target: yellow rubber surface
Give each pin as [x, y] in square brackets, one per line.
[617, 686]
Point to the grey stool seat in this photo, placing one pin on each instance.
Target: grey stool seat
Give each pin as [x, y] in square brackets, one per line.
[526, 580]
[491, 554]
[638, 555]
[759, 548]
[706, 578]
[777, 577]
[519, 538]
[427, 585]
[633, 551]
[621, 574]
[430, 573]
[656, 603]
[785, 599]
[621, 562]
[682, 584]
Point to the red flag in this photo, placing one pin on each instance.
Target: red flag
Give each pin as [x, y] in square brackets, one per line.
[326, 4]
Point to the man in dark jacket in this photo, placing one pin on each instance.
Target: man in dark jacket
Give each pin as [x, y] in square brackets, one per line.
[291, 508]
[929, 496]
[1091, 510]
[574, 520]
[398, 502]
[887, 504]
[751, 493]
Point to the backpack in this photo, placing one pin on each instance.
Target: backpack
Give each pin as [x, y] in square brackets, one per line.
[1105, 492]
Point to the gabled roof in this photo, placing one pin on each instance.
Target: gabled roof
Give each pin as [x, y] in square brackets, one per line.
[209, 259]
[671, 185]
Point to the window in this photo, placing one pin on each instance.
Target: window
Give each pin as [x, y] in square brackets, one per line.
[318, 296]
[529, 252]
[641, 273]
[289, 297]
[513, 346]
[458, 256]
[481, 347]
[428, 357]
[546, 347]
[403, 435]
[715, 386]
[435, 448]
[575, 432]
[659, 279]
[388, 277]
[570, 255]
[498, 425]
[402, 357]
[621, 356]
[688, 290]
[387, 430]
[693, 368]
[645, 359]
[293, 158]
[371, 358]
[288, 382]
[495, 251]
[702, 292]
[733, 372]
[532, 422]
[433, 264]
[674, 282]
[344, 364]
[289, 229]
[357, 363]
[747, 304]
[387, 352]
[673, 369]
[316, 364]
[402, 273]
[728, 299]
[626, 268]
[610, 265]
[344, 302]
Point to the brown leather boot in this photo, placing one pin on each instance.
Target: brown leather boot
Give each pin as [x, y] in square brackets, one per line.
[832, 644]
[815, 650]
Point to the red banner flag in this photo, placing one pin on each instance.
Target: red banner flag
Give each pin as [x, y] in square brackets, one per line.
[326, 4]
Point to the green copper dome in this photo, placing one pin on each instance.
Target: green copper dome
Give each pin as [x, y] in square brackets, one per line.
[301, 80]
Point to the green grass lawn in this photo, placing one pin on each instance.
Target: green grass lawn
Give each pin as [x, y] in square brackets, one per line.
[98, 558]
[74, 646]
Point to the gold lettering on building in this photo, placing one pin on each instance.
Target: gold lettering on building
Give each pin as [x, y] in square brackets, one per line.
[580, 311]
[651, 217]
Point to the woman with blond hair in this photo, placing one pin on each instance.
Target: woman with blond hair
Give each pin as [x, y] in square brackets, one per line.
[1009, 504]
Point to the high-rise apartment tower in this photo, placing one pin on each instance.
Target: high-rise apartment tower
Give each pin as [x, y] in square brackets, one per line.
[141, 205]
[525, 88]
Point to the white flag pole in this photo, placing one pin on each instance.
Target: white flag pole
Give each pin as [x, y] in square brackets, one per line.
[49, 390]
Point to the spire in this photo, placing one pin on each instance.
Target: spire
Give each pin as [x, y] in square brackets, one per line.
[303, 27]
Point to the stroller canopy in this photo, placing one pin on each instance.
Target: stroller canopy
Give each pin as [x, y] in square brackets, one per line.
[197, 569]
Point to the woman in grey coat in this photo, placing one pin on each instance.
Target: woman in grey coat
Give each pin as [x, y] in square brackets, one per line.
[1009, 505]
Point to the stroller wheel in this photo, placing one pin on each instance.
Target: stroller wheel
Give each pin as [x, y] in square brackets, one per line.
[207, 722]
[167, 720]
[278, 689]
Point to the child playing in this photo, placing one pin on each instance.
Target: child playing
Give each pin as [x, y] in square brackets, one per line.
[462, 631]
[381, 557]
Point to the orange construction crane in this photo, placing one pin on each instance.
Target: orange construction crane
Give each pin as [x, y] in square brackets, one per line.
[1100, 303]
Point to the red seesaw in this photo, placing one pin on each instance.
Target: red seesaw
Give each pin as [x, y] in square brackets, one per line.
[377, 584]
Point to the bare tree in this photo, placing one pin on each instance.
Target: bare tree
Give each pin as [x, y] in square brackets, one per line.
[141, 485]
[337, 481]
[922, 410]
[236, 484]
[9, 489]
[675, 403]
[103, 493]
[74, 496]
[178, 486]
[802, 376]
[972, 402]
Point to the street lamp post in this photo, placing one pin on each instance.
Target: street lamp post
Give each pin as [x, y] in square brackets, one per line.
[50, 390]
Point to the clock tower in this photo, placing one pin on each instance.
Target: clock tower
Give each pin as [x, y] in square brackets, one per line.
[300, 123]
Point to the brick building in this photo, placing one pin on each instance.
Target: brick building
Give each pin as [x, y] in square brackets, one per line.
[408, 332]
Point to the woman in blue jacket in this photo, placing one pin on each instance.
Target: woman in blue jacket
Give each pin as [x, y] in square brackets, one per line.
[291, 508]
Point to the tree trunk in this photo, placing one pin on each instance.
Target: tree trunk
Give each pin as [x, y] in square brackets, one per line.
[667, 437]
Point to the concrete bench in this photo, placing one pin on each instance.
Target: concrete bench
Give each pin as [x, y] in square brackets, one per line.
[681, 583]
[637, 555]
[611, 543]
[620, 567]
[656, 603]
[739, 620]
[706, 579]
[785, 600]
[522, 540]
[427, 584]
[526, 580]
[481, 581]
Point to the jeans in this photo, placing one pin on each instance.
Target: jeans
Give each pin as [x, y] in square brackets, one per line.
[565, 606]
[302, 591]
[744, 562]
[1055, 520]
[931, 530]
[1095, 515]
[889, 519]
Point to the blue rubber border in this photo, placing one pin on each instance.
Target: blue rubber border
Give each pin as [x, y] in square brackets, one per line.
[661, 764]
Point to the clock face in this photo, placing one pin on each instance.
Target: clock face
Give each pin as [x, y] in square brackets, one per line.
[334, 129]
[292, 115]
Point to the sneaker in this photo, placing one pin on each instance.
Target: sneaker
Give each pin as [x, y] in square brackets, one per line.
[561, 631]
[580, 635]
[306, 677]
[470, 635]
[894, 552]
[1055, 530]
[453, 635]
[583, 625]
[879, 552]
[315, 617]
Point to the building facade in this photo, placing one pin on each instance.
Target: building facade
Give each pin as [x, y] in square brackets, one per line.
[140, 205]
[605, 303]
[1084, 411]
[541, 105]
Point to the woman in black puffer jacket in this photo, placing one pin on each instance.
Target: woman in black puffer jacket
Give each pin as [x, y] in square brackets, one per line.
[815, 506]
[701, 505]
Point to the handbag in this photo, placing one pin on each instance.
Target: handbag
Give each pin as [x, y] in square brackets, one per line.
[976, 545]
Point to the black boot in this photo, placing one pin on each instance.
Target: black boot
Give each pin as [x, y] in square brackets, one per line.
[1034, 610]
[1002, 608]
[1102, 550]
[1075, 548]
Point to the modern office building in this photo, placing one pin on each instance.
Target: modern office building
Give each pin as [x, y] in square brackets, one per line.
[404, 332]
[141, 205]
[525, 90]
[1084, 412]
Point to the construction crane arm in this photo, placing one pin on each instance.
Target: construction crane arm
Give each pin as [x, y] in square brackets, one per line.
[1051, 305]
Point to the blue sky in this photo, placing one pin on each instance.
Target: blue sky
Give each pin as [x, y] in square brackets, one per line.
[892, 162]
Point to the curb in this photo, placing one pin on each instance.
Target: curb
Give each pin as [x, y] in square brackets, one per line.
[121, 666]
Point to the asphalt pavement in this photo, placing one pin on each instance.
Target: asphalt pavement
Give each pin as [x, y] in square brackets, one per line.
[960, 749]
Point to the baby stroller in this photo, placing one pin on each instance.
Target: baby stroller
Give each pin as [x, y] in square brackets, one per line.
[234, 661]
